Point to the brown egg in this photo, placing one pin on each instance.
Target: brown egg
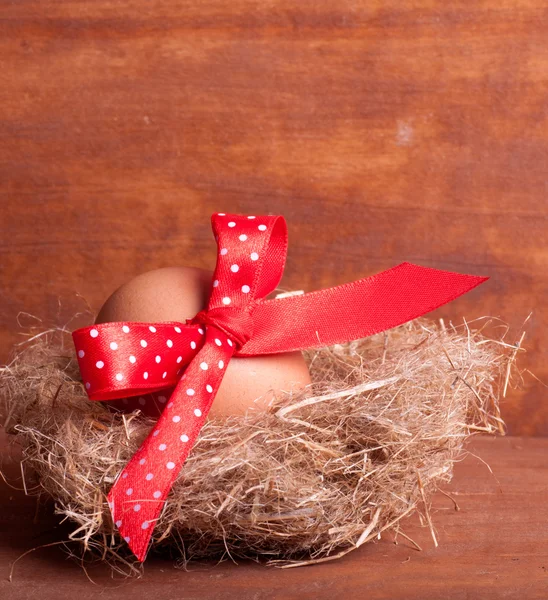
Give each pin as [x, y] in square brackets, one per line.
[177, 294]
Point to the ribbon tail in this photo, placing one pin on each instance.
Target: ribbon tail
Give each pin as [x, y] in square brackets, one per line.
[138, 496]
[353, 310]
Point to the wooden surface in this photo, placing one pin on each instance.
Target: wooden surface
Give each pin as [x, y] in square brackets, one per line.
[383, 130]
[495, 546]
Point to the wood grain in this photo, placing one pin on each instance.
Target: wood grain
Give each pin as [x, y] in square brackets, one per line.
[495, 546]
[383, 131]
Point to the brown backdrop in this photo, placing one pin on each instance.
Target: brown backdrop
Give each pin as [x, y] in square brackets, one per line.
[382, 132]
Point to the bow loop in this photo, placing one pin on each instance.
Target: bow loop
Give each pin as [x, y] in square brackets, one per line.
[250, 261]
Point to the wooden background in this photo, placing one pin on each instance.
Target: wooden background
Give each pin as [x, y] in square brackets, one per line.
[384, 131]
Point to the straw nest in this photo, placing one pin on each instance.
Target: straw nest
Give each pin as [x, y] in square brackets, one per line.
[318, 475]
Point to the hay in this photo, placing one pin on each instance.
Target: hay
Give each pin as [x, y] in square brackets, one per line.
[318, 475]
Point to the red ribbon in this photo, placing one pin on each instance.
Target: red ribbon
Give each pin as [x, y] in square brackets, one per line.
[123, 359]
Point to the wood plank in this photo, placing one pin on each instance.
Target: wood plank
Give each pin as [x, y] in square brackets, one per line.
[383, 131]
[495, 546]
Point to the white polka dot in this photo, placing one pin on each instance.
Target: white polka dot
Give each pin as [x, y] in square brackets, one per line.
[119, 376]
[144, 525]
[132, 359]
[184, 438]
[218, 342]
[176, 419]
[162, 399]
[125, 329]
[197, 412]
[88, 385]
[124, 476]
[143, 343]
[99, 364]
[190, 392]
[142, 401]
[94, 333]
[169, 344]
[203, 366]
[179, 359]
[246, 289]
[221, 214]
[251, 217]
[142, 461]
[243, 237]
[162, 447]
[129, 491]
[201, 331]
[170, 405]
[177, 329]
[254, 256]
[156, 432]
[216, 283]
[137, 507]
[145, 375]
[226, 300]
[234, 268]
[81, 353]
[127, 538]
[164, 375]
[229, 342]
[113, 346]
[149, 476]
[221, 364]
[232, 224]
[157, 494]
[262, 227]
[193, 345]
[223, 251]
[152, 328]
[118, 523]
[170, 465]
[158, 358]
[209, 388]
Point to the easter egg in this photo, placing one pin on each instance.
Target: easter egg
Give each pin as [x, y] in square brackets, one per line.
[178, 294]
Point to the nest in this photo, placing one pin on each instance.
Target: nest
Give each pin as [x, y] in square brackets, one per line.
[320, 473]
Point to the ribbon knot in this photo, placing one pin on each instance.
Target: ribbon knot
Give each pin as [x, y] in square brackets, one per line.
[124, 359]
[235, 323]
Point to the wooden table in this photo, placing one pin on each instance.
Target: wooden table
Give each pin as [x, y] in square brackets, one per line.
[495, 546]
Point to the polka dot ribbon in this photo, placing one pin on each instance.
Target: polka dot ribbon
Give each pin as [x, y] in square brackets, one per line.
[126, 359]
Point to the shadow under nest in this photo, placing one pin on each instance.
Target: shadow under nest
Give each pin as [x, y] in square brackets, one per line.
[317, 475]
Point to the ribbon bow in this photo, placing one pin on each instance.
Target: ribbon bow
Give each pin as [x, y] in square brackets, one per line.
[119, 360]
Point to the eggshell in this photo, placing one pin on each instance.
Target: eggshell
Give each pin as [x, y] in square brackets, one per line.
[177, 294]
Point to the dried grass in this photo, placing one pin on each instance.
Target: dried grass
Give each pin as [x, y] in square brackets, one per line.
[319, 474]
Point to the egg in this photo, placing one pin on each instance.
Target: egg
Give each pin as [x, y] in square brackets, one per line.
[179, 293]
